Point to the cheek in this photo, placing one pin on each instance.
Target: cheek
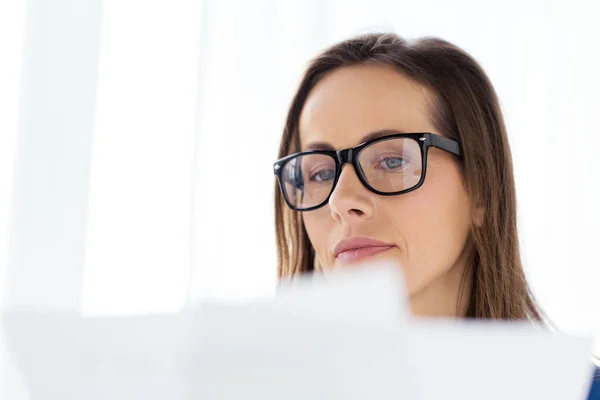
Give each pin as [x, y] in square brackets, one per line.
[318, 224]
[436, 224]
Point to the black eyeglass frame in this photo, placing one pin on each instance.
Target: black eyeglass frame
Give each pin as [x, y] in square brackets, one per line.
[350, 155]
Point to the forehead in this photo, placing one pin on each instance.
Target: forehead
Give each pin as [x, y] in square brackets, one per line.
[351, 102]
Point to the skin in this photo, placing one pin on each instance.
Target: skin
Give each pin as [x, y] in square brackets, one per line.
[429, 227]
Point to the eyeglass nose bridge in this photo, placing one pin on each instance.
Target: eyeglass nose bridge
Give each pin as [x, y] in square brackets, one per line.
[344, 156]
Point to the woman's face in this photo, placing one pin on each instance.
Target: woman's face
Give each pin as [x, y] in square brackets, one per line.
[426, 230]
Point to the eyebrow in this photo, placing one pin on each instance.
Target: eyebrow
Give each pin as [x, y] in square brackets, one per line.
[366, 138]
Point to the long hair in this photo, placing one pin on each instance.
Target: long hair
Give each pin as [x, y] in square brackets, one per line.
[466, 109]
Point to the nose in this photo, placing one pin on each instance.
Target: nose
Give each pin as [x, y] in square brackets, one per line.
[350, 201]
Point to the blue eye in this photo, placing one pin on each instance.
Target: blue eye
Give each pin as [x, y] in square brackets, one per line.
[391, 163]
[323, 175]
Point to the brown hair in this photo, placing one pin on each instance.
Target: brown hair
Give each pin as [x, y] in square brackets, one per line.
[466, 109]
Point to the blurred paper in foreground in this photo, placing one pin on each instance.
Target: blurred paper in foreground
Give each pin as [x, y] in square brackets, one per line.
[346, 336]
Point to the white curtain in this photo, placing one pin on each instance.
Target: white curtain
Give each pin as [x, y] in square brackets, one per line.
[142, 172]
[12, 31]
[185, 101]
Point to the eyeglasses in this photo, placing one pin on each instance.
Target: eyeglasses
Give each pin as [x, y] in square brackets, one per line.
[388, 165]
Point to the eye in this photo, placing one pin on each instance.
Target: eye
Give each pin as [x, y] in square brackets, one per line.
[323, 175]
[391, 163]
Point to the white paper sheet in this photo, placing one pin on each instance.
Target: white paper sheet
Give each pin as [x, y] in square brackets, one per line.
[344, 337]
[492, 361]
[65, 356]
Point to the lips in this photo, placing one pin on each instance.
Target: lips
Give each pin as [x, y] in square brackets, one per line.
[359, 248]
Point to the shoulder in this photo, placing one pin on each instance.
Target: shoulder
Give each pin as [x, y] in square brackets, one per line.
[595, 389]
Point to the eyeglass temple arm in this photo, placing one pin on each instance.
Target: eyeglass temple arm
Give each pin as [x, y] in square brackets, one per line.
[449, 145]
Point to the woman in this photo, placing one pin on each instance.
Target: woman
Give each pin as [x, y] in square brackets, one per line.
[399, 150]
